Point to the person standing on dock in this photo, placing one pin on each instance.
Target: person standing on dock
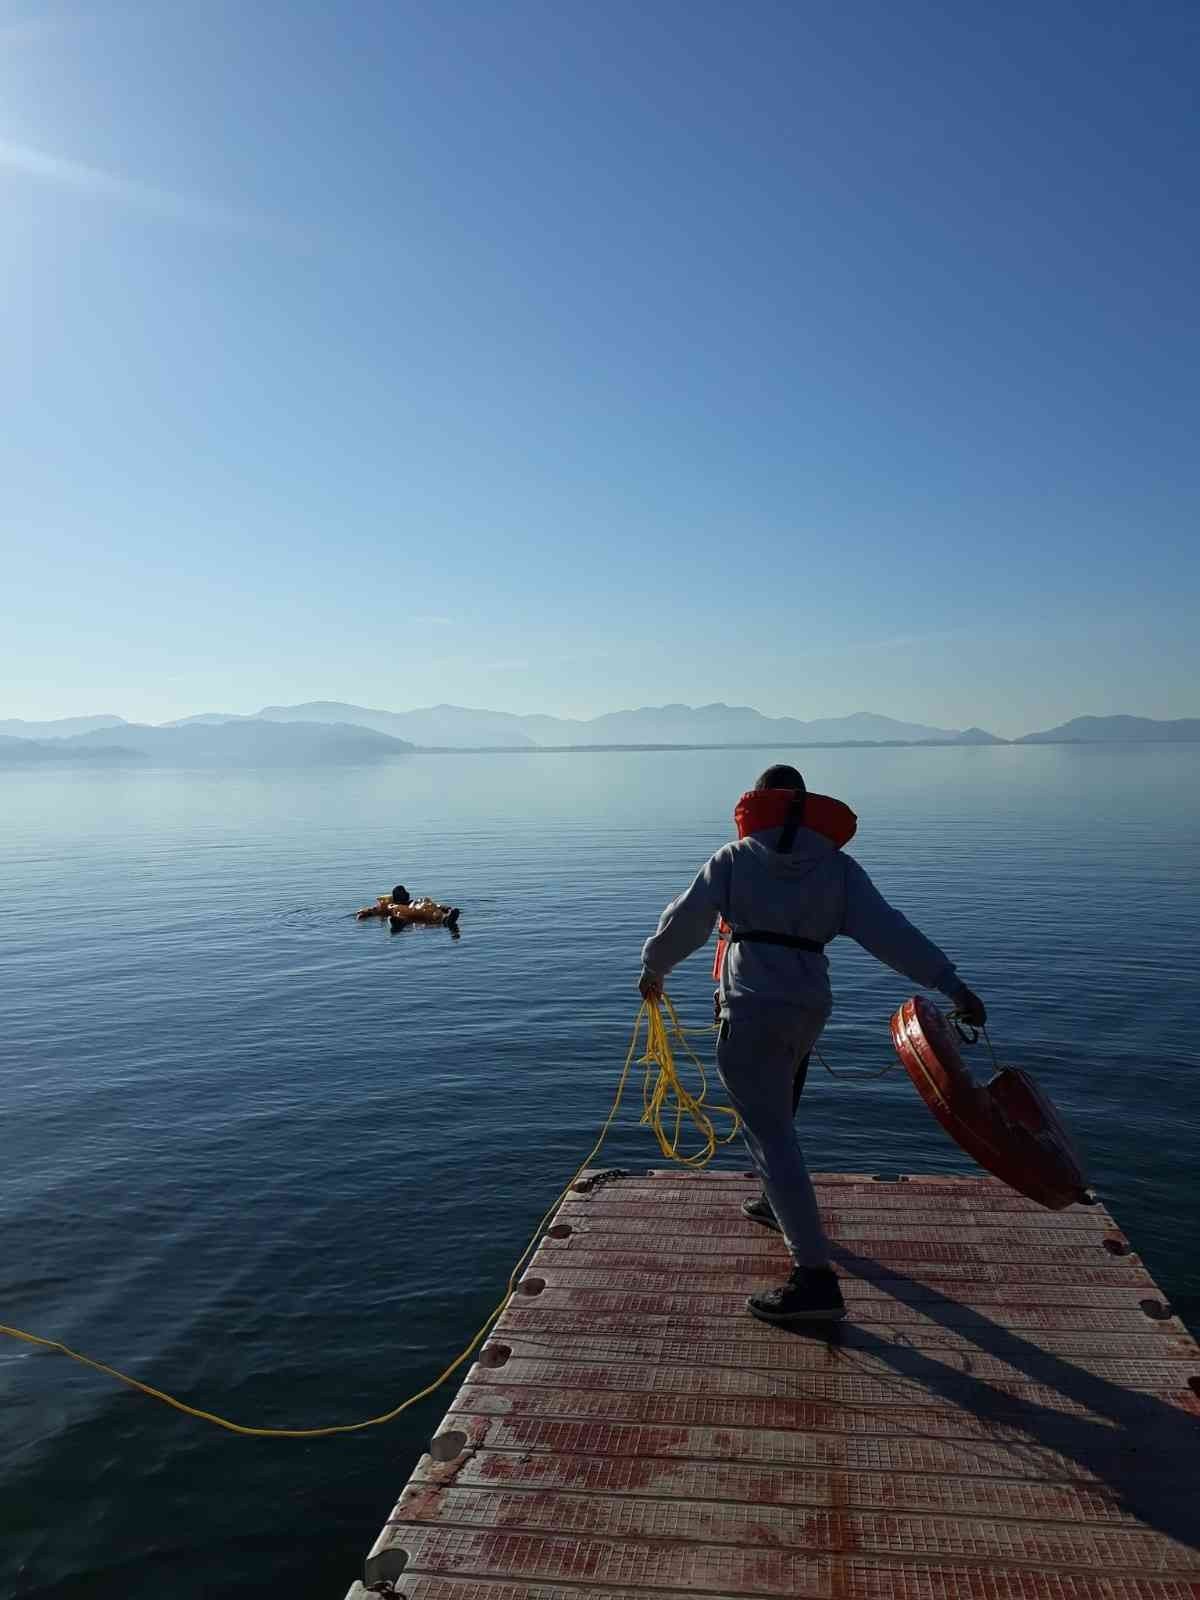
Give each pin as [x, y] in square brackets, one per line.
[785, 892]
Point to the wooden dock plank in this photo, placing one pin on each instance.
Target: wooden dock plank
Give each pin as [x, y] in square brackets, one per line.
[860, 1210]
[900, 1361]
[594, 1294]
[1121, 1286]
[841, 1579]
[722, 1234]
[845, 1389]
[1083, 1454]
[693, 1520]
[1010, 1413]
[994, 1414]
[897, 1278]
[724, 1482]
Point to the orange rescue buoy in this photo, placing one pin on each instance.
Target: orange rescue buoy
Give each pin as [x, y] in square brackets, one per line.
[1008, 1124]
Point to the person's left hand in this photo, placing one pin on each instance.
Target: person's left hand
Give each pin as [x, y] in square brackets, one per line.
[970, 1007]
[650, 988]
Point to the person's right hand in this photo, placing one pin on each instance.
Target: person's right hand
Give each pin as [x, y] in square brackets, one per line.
[970, 1007]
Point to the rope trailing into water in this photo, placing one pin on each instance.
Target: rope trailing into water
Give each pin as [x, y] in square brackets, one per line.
[968, 1032]
[666, 1105]
[854, 1077]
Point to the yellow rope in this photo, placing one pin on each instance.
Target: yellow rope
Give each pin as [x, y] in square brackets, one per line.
[661, 1084]
[663, 1092]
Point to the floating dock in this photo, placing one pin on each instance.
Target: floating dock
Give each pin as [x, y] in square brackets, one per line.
[1010, 1412]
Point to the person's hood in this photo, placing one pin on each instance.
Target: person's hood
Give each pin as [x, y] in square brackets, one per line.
[809, 850]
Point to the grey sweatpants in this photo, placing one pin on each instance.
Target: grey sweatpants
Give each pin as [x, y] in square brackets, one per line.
[758, 1054]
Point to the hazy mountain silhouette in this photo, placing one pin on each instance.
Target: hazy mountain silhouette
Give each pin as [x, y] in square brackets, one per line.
[1116, 730]
[244, 742]
[460, 727]
[61, 728]
[454, 727]
[211, 719]
[24, 752]
[337, 731]
[724, 724]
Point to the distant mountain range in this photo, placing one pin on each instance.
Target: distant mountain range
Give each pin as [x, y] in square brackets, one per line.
[462, 728]
[64, 728]
[331, 731]
[1117, 730]
[457, 727]
[243, 742]
[21, 752]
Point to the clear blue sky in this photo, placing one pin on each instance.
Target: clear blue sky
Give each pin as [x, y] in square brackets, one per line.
[564, 356]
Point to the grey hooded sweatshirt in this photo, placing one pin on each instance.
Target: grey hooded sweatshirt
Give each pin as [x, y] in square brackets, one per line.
[814, 891]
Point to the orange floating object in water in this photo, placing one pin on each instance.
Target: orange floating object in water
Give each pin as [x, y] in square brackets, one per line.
[403, 913]
[1008, 1124]
[422, 911]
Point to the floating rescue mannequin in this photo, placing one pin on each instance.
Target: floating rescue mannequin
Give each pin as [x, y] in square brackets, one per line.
[401, 911]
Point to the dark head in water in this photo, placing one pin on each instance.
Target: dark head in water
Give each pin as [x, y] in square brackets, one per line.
[780, 778]
[400, 896]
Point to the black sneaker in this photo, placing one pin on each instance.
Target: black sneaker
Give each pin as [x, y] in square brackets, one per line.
[811, 1294]
[759, 1210]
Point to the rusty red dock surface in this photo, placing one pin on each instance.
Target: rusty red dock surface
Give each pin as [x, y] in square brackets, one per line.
[1010, 1413]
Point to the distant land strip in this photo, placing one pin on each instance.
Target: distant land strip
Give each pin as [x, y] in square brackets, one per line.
[322, 733]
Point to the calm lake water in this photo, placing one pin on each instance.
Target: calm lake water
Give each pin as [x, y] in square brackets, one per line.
[279, 1162]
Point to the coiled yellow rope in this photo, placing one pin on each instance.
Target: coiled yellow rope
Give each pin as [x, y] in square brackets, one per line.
[663, 1093]
[664, 1096]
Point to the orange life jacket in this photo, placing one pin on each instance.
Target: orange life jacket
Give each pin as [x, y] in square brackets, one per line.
[771, 808]
[759, 809]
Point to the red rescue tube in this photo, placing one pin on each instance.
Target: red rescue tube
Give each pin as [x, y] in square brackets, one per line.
[759, 809]
[1008, 1124]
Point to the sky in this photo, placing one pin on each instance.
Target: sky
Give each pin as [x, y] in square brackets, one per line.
[564, 357]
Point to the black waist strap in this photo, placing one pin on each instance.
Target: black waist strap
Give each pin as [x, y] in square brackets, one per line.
[790, 941]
